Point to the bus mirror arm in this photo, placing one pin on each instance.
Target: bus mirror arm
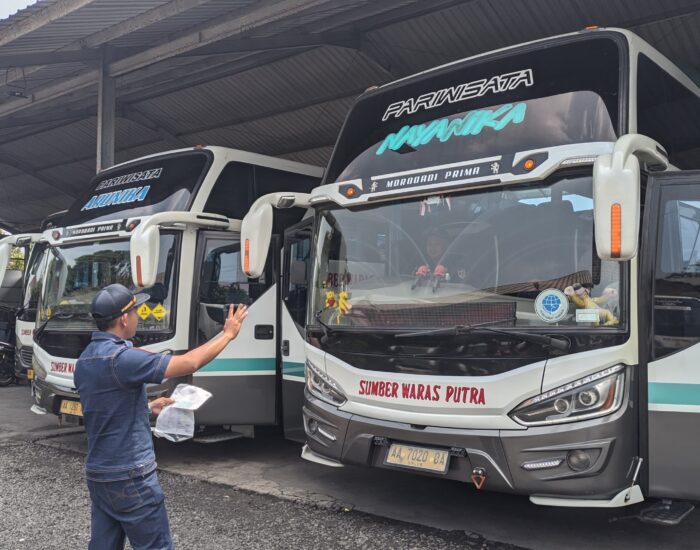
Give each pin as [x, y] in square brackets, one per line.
[6, 245]
[616, 194]
[144, 246]
[256, 228]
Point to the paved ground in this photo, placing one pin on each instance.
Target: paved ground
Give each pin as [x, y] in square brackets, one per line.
[348, 502]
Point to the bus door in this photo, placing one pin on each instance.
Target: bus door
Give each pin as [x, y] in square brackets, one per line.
[243, 377]
[670, 333]
[296, 270]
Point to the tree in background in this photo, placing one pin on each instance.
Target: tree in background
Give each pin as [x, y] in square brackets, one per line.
[16, 257]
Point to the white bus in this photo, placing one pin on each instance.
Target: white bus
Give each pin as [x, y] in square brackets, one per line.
[168, 224]
[31, 288]
[481, 306]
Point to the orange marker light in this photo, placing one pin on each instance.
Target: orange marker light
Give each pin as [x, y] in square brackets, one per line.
[350, 192]
[139, 276]
[529, 164]
[246, 256]
[615, 230]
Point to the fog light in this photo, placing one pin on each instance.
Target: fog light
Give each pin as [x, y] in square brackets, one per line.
[578, 460]
[312, 425]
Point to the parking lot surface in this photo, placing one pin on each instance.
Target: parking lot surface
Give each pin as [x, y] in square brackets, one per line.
[260, 493]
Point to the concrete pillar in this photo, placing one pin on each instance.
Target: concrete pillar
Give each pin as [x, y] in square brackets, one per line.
[106, 115]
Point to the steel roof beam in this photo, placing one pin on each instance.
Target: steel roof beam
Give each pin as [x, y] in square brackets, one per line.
[49, 14]
[282, 42]
[239, 22]
[133, 24]
[88, 57]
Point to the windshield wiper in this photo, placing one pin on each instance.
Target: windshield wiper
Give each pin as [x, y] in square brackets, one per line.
[58, 315]
[327, 329]
[560, 344]
[455, 330]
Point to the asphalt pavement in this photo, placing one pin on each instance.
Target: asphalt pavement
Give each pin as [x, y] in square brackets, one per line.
[260, 493]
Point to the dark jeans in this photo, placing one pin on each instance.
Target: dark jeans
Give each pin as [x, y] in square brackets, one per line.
[133, 508]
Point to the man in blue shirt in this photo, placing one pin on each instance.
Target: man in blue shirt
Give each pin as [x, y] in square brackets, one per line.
[110, 375]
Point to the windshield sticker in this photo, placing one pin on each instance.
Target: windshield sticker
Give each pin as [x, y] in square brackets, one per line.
[416, 135]
[130, 178]
[159, 312]
[144, 311]
[580, 297]
[135, 194]
[551, 305]
[462, 92]
[587, 316]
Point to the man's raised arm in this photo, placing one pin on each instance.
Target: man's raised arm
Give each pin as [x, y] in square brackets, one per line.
[192, 361]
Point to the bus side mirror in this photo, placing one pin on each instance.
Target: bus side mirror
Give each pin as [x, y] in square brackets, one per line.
[256, 232]
[144, 250]
[256, 229]
[5, 252]
[616, 194]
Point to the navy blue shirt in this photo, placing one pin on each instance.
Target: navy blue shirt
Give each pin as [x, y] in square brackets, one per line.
[110, 376]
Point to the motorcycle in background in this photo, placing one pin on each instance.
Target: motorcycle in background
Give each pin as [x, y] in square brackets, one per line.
[7, 346]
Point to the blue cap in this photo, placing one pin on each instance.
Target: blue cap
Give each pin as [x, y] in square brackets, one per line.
[115, 300]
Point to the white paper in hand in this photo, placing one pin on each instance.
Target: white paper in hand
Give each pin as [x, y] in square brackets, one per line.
[176, 421]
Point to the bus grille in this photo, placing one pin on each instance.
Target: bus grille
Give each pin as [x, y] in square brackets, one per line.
[25, 356]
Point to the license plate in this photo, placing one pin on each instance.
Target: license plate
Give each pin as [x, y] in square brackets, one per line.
[72, 407]
[30, 374]
[420, 458]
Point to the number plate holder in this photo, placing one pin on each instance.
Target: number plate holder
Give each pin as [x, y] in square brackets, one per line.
[418, 458]
[71, 407]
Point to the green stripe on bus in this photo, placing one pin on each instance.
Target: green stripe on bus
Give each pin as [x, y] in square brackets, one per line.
[240, 365]
[291, 368]
[674, 394]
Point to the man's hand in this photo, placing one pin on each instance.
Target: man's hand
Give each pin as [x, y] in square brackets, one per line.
[233, 322]
[157, 405]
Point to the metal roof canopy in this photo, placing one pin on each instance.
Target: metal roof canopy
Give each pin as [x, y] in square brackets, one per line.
[86, 83]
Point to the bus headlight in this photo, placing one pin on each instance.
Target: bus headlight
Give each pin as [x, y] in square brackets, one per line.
[323, 386]
[595, 395]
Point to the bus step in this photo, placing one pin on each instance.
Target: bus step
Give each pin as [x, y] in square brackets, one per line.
[666, 512]
[218, 437]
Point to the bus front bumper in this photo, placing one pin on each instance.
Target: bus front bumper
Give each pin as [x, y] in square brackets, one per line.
[583, 461]
[49, 396]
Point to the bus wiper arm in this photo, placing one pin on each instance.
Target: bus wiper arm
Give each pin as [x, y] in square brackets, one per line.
[455, 330]
[327, 329]
[560, 344]
[59, 314]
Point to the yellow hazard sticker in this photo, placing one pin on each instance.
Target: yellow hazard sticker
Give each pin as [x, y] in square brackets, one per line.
[159, 312]
[144, 311]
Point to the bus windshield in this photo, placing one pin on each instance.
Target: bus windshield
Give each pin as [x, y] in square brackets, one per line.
[74, 274]
[519, 257]
[142, 188]
[564, 94]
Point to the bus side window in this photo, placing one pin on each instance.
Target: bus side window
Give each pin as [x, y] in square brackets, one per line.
[677, 285]
[221, 282]
[299, 268]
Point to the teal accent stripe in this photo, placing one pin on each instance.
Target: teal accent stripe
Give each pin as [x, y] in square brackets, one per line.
[674, 394]
[291, 368]
[240, 365]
